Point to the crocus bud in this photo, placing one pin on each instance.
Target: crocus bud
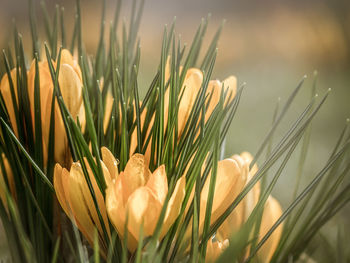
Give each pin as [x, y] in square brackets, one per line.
[136, 198]
[242, 211]
[70, 83]
[74, 195]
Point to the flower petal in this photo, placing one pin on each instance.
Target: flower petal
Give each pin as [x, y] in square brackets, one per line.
[71, 88]
[230, 85]
[158, 183]
[59, 188]
[111, 163]
[229, 183]
[135, 175]
[142, 208]
[174, 205]
[191, 86]
[272, 212]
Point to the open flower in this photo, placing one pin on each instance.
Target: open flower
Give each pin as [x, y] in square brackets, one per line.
[74, 195]
[137, 195]
[70, 83]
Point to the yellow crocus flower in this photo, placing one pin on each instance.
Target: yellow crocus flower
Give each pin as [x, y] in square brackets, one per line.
[74, 195]
[272, 211]
[138, 194]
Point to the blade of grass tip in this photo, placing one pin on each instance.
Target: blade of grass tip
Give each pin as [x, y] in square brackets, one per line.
[117, 14]
[74, 35]
[300, 197]
[79, 30]
[278, 120]
[134, 25]
[63, 29]
[56, 250]
[100, 48]
[305, 146]
[200, 40]
[46, 21]
[96, 247]
[32, 162]
[212, 48]
[54, 35]
[33, 29]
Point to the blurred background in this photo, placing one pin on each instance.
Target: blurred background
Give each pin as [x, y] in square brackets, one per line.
[268, 44]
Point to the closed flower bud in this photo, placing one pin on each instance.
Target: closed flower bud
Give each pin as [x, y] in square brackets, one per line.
[74, 195]
[70, 84]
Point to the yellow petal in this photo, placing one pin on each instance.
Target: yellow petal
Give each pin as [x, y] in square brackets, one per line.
[214, 91]
[59, 189]
[230, 85]
[158, 183]
[135, 175]
[229, 183]
[71, 88]
[115, 206]
[108, 111]
[6, 93]
[67, 58]
[271, 214]
[143, 208]
[191, 86]
[111, 163]
[248, 159]
[78, 205]
[174, 205]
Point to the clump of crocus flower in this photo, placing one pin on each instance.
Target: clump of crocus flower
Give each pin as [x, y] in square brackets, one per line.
[70, 84]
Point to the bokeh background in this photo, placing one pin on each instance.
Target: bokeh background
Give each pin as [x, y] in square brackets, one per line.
[268, 44]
